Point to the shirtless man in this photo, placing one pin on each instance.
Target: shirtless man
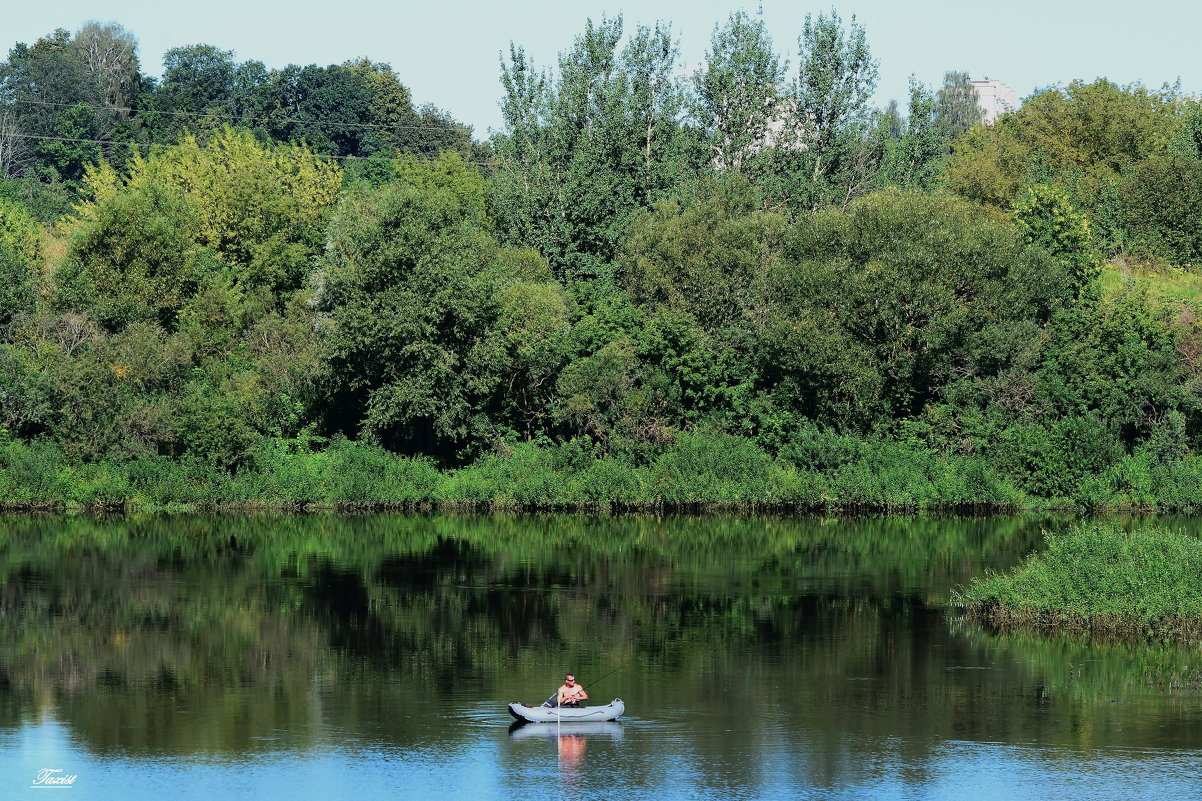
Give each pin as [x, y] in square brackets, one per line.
[571, 693]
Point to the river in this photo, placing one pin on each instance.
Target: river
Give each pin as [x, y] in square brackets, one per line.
[372, 657]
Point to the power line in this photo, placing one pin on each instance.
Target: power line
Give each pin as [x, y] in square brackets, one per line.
[138, 144]
[243, 118]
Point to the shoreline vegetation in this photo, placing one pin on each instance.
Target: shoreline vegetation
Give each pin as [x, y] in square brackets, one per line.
[742, 290]
[698, 472]
[1099, 580]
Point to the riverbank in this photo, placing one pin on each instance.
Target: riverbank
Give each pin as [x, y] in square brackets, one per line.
[1098, 579]
[697, 472]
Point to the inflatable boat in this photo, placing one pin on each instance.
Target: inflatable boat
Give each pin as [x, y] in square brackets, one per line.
[567, 714]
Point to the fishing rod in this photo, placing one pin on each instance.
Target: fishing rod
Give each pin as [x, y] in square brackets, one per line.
[593, 683]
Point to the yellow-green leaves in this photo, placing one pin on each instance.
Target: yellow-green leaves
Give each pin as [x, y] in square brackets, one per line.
[1048, 220]
[260, 208]
[20, 233]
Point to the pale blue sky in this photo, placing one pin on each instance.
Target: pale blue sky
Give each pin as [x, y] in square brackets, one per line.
[447, 52]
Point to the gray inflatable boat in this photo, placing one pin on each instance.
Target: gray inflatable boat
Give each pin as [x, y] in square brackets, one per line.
[567, 714]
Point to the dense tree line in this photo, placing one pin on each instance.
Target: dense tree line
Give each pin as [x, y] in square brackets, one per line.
[70, 100]
[737, 285]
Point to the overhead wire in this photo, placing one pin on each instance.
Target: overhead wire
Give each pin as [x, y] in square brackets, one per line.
[149, 146]
[241, 118]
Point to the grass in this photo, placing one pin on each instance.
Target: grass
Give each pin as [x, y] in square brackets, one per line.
[704, 472]
[1099, 579]
[1168, 285]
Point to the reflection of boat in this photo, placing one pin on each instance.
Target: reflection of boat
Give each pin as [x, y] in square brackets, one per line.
[520, 730]
[567, 714]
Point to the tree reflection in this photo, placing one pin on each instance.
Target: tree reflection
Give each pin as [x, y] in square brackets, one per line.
[239, 635]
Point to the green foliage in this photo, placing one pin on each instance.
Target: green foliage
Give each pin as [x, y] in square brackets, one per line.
[1123, 157]
[196, 78]
[134, 258]
[1116, 360]
[1187, 139]
[870, 312]
[210, 427]
[836, 76]
[1048, 220]
[581, 156]
[1160, 208]
[606, 396]
[703, 257]
[44, 202]
[1082, 133]
[532, 325]
[825, 157]
[20, 234]
[56, 71]
[914, 158]
[1055, 460]
[1101, 578]
[958, 110]
[16, 285]
[260, 208]
[409, 283]
[20, 257]
[703, 468]
[738, 92]
[660, 292]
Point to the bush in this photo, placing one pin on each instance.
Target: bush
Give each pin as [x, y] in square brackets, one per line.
[1052, 461]
[1160, 208]
[709, 468]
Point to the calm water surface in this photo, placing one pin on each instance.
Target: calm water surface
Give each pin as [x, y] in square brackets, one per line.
[372, 657]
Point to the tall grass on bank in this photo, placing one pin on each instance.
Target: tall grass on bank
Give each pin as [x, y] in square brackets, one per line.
[1099, 579]
[699, 470]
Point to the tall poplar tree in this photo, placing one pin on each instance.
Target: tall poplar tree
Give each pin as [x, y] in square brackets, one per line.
[584, 151]
[739, 91]
[836, 76]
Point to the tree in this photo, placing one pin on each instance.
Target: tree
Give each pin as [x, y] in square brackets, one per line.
[705, 256]
[1187, 140]
[870, 313]
[260, 208]
[738, 91]
[20, 257]
[327, 108]
[74, 146]
[1160, 208]
[1080, 137]
[654, 103]
[111, 55]
[409, 285]
[913, 158]
[836, 76]
[197, 79]
[50, 94]
[583, 154]
[14, 147]
[133, 258]
[398, 125]
[957, 105]
[1047, 220]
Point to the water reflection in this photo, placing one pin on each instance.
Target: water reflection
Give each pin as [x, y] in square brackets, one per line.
[764, 655]
[610, 729]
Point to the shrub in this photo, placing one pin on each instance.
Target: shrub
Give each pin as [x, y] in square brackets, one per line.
[1101, 578]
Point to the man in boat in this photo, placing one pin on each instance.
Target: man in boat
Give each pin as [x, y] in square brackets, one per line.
[571, 693]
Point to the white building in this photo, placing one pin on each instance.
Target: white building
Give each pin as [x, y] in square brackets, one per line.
[994, 98]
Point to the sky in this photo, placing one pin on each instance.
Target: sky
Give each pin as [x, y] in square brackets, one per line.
[447, 52]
